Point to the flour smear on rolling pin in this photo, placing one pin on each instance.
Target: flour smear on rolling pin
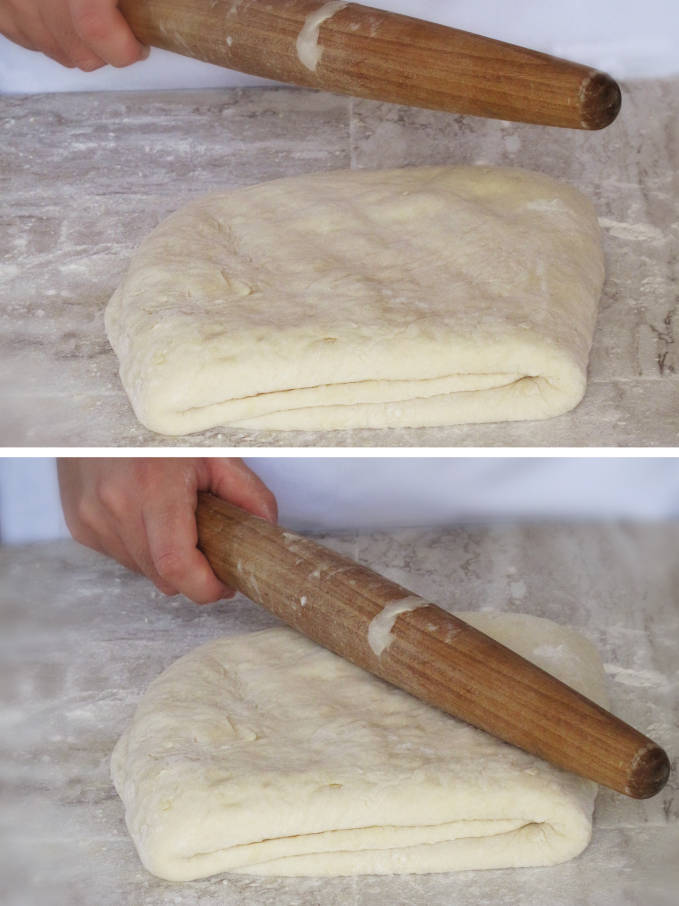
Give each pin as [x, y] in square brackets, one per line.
[308, 51]
[379, 630]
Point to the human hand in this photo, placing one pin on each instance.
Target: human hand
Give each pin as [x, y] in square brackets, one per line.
[142, 512]
[86, 34]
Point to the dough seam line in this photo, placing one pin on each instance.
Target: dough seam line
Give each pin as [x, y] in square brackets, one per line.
[252, 396]
[378, 827]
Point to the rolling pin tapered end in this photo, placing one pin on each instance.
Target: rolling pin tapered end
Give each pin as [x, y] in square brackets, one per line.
[649, 772]
[600, 100]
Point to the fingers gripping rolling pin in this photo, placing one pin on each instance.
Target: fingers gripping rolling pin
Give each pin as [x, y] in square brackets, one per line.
[354, 49]
[412, 643]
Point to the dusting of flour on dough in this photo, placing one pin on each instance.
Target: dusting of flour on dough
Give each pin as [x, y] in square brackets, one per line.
[379, 630]
[552, 652]
[308, 51]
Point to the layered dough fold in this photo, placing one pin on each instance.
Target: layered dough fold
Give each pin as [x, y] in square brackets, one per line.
[267, 754]
[411, 297]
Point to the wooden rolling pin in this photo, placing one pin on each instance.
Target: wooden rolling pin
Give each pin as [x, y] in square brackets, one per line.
[421, 648]
[354, 49]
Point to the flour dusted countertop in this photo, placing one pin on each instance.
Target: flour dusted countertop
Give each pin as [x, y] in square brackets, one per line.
[81, 638]
[84, 177]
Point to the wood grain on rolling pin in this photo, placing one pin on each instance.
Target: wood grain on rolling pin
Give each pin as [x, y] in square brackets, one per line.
[424, 650]
[354, 49]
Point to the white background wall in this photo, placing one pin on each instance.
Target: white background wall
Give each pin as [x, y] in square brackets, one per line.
[627, 38]
[364, 493]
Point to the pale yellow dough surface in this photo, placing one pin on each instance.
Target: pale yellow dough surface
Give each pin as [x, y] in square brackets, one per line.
[267, 754]
[412, 297]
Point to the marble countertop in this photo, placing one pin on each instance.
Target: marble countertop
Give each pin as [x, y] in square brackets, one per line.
[81, 639]
[84, 177]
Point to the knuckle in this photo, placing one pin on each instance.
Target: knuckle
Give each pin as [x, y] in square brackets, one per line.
[85, 518]
[75, 527]
[147, 476]
[110, 495]
[89, 22]
[126, 58]
[205, 597]
[60, 58]
[88, 65]
[170, 564]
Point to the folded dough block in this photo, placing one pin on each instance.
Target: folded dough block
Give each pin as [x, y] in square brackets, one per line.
[421, 296]
[267, 754]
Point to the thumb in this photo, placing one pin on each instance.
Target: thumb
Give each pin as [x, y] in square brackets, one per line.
[236, 483]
